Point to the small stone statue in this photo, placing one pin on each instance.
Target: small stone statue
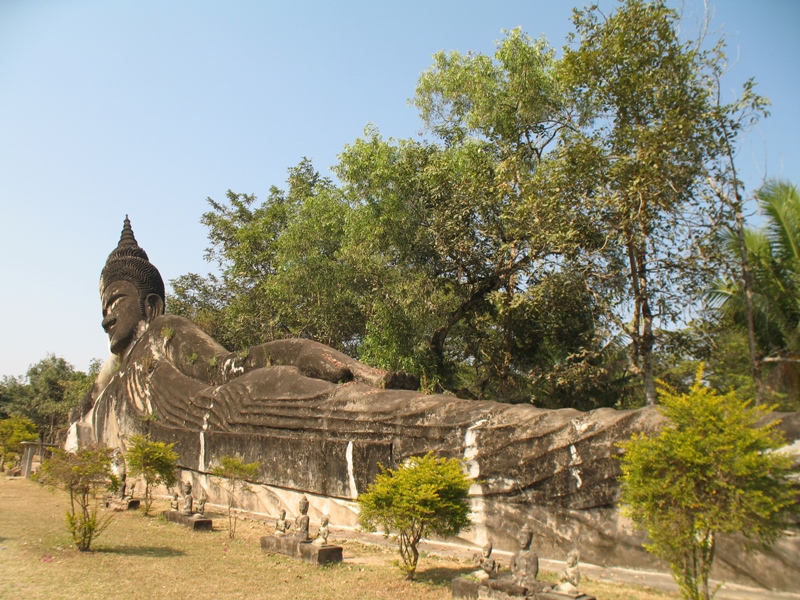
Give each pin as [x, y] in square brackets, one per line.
[525, 563]
[173, 503]
[187, 499]
[570, 577]
[322, 534]
[301, 522]
[281, 525]
[122, 485]
[488, 565]
[201, 505]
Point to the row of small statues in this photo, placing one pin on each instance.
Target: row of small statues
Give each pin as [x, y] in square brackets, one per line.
[188, 506]
[525, 567]
[301, 523]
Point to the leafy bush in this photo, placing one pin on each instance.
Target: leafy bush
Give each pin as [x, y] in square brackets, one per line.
[425, 495]
[709, 471]
[155, 462]
[83, 474]
[234, 474]
[13, 431]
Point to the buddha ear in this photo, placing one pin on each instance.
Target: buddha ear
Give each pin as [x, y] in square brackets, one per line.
[153, 307]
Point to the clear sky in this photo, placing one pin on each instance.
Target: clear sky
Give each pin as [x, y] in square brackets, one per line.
[147, 108]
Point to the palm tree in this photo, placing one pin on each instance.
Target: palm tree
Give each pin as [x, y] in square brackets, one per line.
[774, 256]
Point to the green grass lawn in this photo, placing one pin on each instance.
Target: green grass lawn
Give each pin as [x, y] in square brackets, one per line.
[140, 557]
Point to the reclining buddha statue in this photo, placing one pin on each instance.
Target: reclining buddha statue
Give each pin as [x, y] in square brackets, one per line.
[320, 422]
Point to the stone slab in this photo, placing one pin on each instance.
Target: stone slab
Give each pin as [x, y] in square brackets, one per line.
[195, 522]
[504, 589]
[559, 596]
[293, 547]
[462, 587]
[121, 504]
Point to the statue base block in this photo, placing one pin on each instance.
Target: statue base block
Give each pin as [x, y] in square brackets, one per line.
[506, 589]
[195, 522]
[292, 546]
[120, 504]
[462, 587]
[562, 596]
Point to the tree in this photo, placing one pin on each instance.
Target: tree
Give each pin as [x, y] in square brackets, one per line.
[773, 258]
[426, 495]
[642, 149]
[46, 394]
[730, 121]
[155, 462]
[82, 474]
[234, 474]
[711, 470]
[13, 431]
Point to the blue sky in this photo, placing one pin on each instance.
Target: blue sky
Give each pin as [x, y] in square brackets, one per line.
[147, 108]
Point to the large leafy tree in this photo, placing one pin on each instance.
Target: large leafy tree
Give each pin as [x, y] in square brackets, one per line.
[46, 393]
[642, 151]
[281, 270]
[477, 213]
[551, 220]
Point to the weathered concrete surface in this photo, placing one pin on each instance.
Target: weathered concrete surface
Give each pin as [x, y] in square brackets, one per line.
[194, 522]
[122, 504]
[293, 547]
[555, 470]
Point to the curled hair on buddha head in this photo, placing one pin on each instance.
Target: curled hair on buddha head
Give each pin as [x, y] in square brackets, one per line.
[129, 262]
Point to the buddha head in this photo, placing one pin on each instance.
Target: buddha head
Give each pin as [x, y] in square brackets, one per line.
[303, 505]
[131, 290]
[525, 537]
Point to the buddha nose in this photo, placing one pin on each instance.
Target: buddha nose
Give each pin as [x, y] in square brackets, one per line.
[108, 322]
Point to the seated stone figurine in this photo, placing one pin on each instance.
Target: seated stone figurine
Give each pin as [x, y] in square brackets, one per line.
[301, 522]
[525, 563]
[187, 499]
[281, 525]
[122, 489]
[487, 565]
[322, 534]
[173, 503]
[570, 577]
[200, 507]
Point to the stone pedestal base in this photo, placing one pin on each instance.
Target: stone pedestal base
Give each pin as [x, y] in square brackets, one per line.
[121, 504]
[461, 587]
[292, 546]
[195, 522]
[504, 589]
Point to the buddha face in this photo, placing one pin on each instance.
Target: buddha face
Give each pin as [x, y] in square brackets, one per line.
[524, 539]
[121, 315]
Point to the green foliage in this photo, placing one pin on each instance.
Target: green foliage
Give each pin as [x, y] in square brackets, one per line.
[711, 470]
[773, 253]
[234, 475]
[643, 146]
[426, 495]
[554, 220]
[155, 462]
[83, 474]
[49, 390]
[13, 431]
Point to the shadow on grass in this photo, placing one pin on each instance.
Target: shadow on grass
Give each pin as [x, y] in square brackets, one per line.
[442, 575]
[154, 551]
